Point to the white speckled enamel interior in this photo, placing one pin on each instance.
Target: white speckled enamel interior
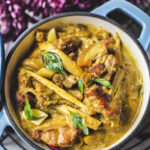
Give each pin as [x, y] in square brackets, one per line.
[26, 43]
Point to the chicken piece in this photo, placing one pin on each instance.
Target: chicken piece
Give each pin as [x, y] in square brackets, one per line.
[111, 65]
[24, 81]
[73, 55]
[87, 78]
[42, 92]
[21, 99]
[40, 35]
[66, 136]
[103, 103]
[97, 92]
[50, 137]
[97, 70]
[58, 79]
[70, 81]
[111, 62]
[69, 44]
[62, 137]
[36, 134]
[76, 93]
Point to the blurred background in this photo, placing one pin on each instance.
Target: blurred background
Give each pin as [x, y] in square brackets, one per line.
[18, 15]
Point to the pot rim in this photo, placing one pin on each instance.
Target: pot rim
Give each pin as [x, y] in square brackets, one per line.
[27, 31]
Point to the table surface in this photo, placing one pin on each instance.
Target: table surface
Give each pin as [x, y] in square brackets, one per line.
[141, 142]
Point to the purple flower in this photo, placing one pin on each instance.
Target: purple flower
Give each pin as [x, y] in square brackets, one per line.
[14, 19]
[4, 20]
[53, 148]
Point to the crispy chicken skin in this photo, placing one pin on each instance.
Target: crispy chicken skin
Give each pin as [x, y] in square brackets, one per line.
[111, 62]
[69, 44]
[62, 137]
[103, 103]
[97, 70]
[70, 81]
[21, 99]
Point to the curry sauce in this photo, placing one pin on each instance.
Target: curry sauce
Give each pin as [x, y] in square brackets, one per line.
[80, 88]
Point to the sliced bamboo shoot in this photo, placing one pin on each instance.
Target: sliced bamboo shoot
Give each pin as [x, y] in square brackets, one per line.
[68, 64]
[51, 37]
[56, 89]
[52, 123]
[37, 113]
[118, 78]
[89, 121]
[46, 73]
[117, 47]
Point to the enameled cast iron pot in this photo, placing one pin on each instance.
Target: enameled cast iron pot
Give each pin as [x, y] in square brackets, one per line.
[97, 17]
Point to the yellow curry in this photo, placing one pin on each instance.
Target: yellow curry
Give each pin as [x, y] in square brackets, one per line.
[79, 88]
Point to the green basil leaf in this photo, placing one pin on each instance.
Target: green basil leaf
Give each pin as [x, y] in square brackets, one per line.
[80, 85]
[52, 61]
[78, 122]
[105, 83]
[28, 112]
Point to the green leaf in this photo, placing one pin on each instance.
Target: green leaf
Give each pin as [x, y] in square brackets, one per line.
[108, 84]
[123, 102]
[28, 112]
[139, 89]
[52, 61]
[80, 85]
[105, 83]
[78, 122]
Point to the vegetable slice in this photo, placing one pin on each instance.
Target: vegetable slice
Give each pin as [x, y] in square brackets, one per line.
[78, 122]
[51, 37]
[68, 64]
[118, 78]
[34, 115]
[85, 59]
[52, 62]
[56, 89]
[88, 120]
[46, 73]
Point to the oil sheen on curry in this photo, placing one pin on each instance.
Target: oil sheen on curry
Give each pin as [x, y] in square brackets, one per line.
[78, 89]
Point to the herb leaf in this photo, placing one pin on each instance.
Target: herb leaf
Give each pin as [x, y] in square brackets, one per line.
[105, 83]
[80, 85]
[108, 84]
[28, 112]
[52, 61]
[78, 122]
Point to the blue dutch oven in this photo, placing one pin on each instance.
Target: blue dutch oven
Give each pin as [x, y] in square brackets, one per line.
[97, 17]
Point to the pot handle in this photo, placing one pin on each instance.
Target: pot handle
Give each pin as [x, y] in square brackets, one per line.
[3, 124]
[3, 118]
[2, 59]
[132, 11]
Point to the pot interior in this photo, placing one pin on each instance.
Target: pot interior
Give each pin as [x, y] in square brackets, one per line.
[24, 43]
